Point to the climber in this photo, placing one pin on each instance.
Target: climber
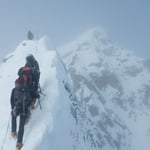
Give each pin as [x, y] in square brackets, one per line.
[20, 104]
[30, 75]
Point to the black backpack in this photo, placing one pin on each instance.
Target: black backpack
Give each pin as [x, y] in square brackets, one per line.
[22, 98]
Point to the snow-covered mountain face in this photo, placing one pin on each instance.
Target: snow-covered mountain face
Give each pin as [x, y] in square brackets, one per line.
[113, 93]
[51, 127]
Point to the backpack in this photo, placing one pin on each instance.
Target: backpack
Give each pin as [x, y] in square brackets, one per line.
[22, 99]
[26, 76]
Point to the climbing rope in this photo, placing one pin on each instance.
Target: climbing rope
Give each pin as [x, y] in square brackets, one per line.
[2, 147]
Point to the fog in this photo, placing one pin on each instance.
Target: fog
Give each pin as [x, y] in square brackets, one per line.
[126, 22]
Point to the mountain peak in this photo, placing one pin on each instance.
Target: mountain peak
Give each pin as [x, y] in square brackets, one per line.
[94, 37]
[113, 85]
[94, 33]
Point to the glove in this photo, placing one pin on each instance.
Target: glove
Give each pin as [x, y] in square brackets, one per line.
[13, 112]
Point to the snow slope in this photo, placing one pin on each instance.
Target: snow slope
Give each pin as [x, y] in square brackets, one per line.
[50, 127]
[112, 85]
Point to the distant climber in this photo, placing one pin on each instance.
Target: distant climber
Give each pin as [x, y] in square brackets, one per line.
[32, 62]
[30, 75]
[20, 104]
[30, 35]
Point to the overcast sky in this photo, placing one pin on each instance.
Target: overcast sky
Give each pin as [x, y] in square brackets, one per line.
[126, 21]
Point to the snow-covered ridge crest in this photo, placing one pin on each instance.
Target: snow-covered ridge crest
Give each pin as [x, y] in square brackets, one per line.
[45, 129]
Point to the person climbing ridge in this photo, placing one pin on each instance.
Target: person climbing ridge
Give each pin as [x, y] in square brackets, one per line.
[31, 69]
[20, 104]
[23, 97]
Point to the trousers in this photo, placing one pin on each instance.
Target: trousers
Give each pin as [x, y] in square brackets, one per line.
[21, 126]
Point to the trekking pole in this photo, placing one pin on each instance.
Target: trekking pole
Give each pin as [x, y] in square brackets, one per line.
[39, 103]
[2, 147]
[40, 91]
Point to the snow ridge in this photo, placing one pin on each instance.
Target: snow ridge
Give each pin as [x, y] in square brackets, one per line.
[48, 127]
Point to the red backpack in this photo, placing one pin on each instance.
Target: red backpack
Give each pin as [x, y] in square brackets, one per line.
[25, 76]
